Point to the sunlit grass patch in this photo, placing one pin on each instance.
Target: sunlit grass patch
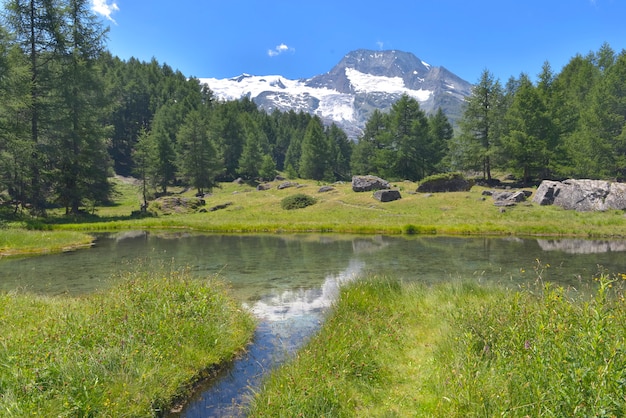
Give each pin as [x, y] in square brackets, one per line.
[131, 351]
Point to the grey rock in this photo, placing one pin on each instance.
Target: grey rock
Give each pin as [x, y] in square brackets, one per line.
[387, 195]
[582, 195]
[325, 189]
[455, 183]
[368, 183]
[286, 185]
[264, 186]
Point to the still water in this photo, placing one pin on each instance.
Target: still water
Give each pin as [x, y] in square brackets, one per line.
[289, 280]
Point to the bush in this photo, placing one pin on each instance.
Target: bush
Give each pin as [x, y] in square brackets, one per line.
[297, 201]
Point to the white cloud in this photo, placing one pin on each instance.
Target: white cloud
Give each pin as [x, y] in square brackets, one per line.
[280, 49]
[104, 8]
[380, 45]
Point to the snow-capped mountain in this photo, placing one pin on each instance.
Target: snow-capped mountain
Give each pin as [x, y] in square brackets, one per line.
[363, 80]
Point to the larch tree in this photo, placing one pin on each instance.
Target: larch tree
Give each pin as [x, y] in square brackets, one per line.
[36, 26]
[480, 125]
[78, 148]
[197, 157]
[315, 149]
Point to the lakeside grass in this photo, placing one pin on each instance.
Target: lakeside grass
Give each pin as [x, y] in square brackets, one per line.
[134, 350]
[338, 211]
[459, 350]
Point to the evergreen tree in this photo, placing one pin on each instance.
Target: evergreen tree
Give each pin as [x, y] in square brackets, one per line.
[339, 153]
[16, 146]
[79, 148]
[605, 121]
[441, 132]
[480, 125]
[365, 157]
[268, 168]
[250, 160]
[36, 26]
[165, 126]
[198, 160]
[411, 139]
[529, 141]
[143, 155]
[314, 158]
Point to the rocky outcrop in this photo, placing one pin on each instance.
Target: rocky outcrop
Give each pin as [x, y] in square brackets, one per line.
[582, 195]
[387, 195]
[167, 205]
[452, 182]
[368, 183]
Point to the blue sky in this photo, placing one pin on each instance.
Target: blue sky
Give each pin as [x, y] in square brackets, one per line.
[300, 39]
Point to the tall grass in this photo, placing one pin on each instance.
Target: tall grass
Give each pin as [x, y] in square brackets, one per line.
[459, 350]
[546, 352]
[132, 351]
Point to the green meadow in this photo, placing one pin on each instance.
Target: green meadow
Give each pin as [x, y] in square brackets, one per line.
[341, 210]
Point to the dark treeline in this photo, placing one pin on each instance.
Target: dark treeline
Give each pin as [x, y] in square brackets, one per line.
[72, 115]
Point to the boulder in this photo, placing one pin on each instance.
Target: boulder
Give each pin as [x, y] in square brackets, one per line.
[264, 186]
[286, 185]
[582, 195]
[445, 183]
[325, 189]
[509, 198]
[387, 195]
[368, 183]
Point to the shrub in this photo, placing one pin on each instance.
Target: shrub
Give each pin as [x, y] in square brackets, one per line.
[297, 201]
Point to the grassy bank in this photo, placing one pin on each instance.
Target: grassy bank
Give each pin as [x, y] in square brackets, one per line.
[18, 240]
[132, 351]
[459, 350]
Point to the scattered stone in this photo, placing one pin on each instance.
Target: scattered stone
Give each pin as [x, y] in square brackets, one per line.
[325, 189]
[279, 178]
[582, 195]
[368, 183]
[264, 186]
[387, 195]
[239, 181]
[286, 185]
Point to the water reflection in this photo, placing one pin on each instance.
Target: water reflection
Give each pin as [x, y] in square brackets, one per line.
[287, 320]
[303, 302]
[581, 246]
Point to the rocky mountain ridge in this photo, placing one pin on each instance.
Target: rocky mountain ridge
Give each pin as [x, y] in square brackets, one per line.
[362, 81]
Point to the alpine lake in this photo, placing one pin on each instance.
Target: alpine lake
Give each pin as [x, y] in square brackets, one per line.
[289, 281]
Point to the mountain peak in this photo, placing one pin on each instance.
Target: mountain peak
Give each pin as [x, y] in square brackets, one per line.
[362, 81]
